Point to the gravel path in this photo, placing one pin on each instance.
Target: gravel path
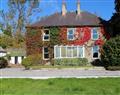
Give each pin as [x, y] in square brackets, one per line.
[56, 73]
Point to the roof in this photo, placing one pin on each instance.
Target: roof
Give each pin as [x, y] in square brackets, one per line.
[16, 51]
[70, 19]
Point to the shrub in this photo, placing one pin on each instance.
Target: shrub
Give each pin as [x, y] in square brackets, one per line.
[113, 68]
[3, 62]
[71, 62]
[111, 52]
[97, 62]
[31, 60]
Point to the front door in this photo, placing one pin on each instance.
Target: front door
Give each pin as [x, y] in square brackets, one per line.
[16, 59]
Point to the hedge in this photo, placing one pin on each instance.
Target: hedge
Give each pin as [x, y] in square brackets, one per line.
[3, 62]
[71, 61]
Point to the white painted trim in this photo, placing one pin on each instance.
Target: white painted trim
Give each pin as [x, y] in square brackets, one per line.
[92, 33]
[98, 53]
[71, 53]
[83, 51]
[74, 29]
[43, 35]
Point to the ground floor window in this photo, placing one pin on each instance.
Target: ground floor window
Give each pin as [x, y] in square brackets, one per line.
[45, 53]
[68, 51]
[95, 51]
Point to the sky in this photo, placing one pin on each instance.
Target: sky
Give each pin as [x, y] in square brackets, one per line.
[102, 8]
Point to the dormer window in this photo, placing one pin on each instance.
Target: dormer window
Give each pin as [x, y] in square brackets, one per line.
[46, 35]
[70, 34]
[95, 34]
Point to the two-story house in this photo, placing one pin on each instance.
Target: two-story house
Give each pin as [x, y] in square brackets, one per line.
[79, 34]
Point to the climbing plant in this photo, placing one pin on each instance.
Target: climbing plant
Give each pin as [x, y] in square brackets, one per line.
[54, 36]
[33, 41]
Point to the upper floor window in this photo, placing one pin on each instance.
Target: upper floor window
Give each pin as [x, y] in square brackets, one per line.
[95, 51]
[95, 34]
[46, 35]
[70, 33]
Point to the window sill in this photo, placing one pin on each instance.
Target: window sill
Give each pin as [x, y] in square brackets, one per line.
[46, 40]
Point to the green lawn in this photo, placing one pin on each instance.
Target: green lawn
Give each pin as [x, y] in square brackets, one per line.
[72, 86]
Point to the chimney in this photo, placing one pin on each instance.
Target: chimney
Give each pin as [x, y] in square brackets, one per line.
[78, 7]
[64, 10]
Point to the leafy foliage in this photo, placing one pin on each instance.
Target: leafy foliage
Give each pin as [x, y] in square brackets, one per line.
[33, 41]
[115, 20]
[31, 60]
[7, 41]
[54, 36]
[71, 62]
[3, 62]
[113, 68]
[111, 52]
[117, 7]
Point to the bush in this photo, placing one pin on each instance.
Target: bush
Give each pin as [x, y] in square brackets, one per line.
[113, 68]
[71, 62]
[31, 60]
[111, 52]
[97, 62]
[3, 62]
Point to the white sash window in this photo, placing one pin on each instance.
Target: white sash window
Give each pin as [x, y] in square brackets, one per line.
[68, 51]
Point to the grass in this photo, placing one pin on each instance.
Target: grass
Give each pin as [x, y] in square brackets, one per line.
[72, 86]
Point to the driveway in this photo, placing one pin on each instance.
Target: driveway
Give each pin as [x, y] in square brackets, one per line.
[56, 73]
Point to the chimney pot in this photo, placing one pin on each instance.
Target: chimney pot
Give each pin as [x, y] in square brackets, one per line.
[78, 7]
[64, 10]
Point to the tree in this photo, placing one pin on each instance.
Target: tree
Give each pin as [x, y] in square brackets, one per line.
[117, 7]
[20, 13]
[115, 20]
[111, 52]
[5, 26]
[6, 41]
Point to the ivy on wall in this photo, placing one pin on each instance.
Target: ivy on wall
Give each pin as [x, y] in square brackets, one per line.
[58, 36]
[33, 41]
[54, 36]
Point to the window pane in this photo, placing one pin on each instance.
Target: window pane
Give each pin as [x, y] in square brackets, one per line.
[46, 56]
[80, 51]
[45, 50]
[69, 52]
[46, 53]
[95, 51]
[57, 50]
[70, 37]
[95, 55]
[46, 31]
[70, 32]
[46, 37]
[95, 34]
[74, 51]
[63, 51]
